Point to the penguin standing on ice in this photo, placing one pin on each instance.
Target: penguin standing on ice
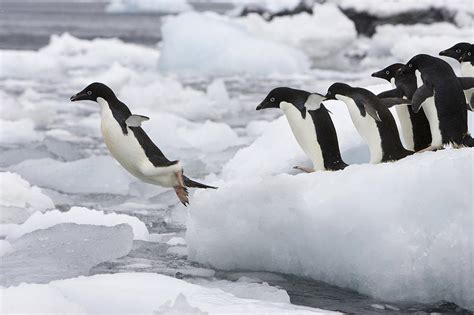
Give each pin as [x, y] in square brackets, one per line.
[311, 125]
[373, 121]
[130, 145]
[441, 94]
[456, 52]
[415, 126]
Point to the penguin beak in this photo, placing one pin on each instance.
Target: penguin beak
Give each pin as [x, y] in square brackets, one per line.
[329, 96]
[443, 53]
[78, 97]
[377, 74]
[261, 106]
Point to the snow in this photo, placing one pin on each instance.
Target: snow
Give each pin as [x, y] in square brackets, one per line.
[18, 131]
[138, 6]
[207, 43]
[414, 244]
[18, 199]
[144, 293]
[62, 251]
[99, 174]
[176, 241]
[78, 215]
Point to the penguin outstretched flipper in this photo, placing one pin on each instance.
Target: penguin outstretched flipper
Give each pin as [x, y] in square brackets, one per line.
[394, 101]
[390, 93]
[191, 183]
[421, 94]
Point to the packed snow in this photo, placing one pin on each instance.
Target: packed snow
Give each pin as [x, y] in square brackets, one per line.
[144, 293]
[78, 215]
[18, 199]
[292, 224]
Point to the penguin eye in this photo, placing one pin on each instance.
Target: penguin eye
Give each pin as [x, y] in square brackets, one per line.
[272, 99]
[458, 51]
[89, 92]
[387, 72]
[469, 53]
[410, 65]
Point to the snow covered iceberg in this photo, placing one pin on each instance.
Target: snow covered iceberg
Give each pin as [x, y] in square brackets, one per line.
[397, 231]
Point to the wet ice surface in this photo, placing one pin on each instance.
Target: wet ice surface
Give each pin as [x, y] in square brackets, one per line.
[69, 140]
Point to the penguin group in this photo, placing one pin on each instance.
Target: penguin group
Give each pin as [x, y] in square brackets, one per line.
[431, 103]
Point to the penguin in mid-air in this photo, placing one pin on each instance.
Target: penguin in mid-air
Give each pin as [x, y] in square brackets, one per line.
[463, 52]
[373, 121]
[311, 125]
[130, 145]
[415, 126]
[441, 93]
[456, 52]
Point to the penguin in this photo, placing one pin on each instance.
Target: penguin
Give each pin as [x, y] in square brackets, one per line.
[311, 125]
[130, 145]
[373, 121]
[462, 52]
[456, 52]
[415, 126]
[441, 94]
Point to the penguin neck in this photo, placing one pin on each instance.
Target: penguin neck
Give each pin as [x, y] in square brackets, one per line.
[419, 80]
[392, 81]
[467, 69]
[104, 106]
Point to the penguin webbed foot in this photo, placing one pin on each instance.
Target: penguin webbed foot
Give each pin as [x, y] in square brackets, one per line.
[304, 169]
[182, 194]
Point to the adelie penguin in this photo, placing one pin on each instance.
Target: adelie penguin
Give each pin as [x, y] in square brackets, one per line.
[311, 125]
[463, 52]
[415, 126]
[130, 145]
[441, 94]
[373, 121]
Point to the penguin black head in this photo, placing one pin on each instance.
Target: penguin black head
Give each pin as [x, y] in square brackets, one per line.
[389, 72]
[337, 88]
[414, 63]
[284, 94]
[468, 55]
[457, 51]
[94, 91]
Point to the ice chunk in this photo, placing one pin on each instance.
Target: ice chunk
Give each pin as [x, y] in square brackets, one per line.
[176, 241]
[179, 306]
[93, 175]
[18, 200]
[78, 215]
[19, 131]
[63, 251]
[394, 231]
[139, 6]
[207, 43]
[5, 247]
[150, 289]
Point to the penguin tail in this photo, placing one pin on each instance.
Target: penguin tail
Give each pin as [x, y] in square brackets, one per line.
[193, 184]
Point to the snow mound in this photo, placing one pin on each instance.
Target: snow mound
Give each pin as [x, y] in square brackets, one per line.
[207, 43]
[97, 174]
[62, 251]
[18, 131]
[139, 6]
[78, 215]
[145, 293]
[394, 230]
[18, 199]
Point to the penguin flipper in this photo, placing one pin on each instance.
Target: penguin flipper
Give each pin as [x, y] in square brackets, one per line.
[420, 95]
[136, 120]
[466, 82]
[365, 106]
[470, 106]
[193, 184]
[390, 93]
[393, 101]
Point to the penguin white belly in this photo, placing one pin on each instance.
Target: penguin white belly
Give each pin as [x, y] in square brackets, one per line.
[129, 153]
[468, 94]
[467, 70]
[367, 128]
[432, 115]
[305, 134]
[407, 126]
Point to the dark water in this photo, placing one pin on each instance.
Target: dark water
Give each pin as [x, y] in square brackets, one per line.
[29, 25]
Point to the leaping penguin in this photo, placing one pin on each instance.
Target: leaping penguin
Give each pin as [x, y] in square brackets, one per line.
[130, 145]
[311, 125]
[441, 93]
[415, 126]
[373, 121]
